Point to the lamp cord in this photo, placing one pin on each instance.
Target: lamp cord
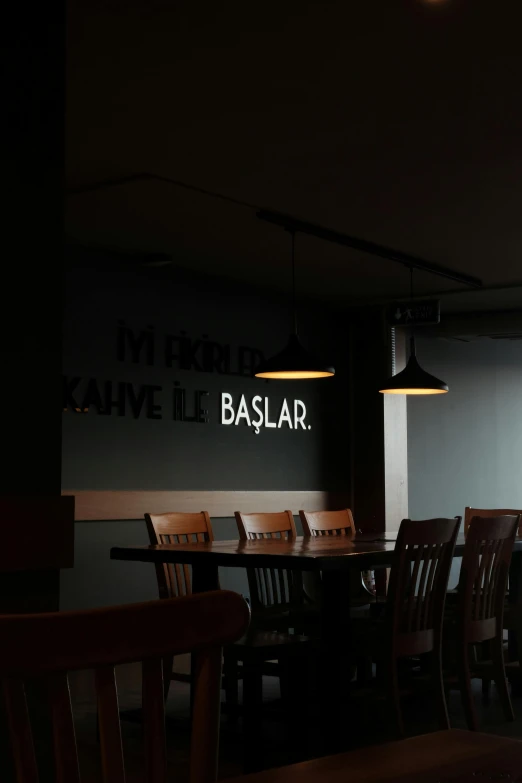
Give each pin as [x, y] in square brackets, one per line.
[412, 338]
[294, 311]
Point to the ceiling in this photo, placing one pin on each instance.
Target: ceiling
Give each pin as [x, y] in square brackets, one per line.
[398, 122]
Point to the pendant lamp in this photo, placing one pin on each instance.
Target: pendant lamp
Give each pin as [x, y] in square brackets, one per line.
[413, 379]
[294, 362]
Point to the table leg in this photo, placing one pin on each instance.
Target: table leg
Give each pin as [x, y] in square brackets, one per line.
[204, 578]
[334, 674]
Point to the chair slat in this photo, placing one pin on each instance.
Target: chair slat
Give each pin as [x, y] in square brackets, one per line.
[412, 586]
[495, 573]
[154, 721]
[188, 582]
[179, 582]
[20, 731]
[110, 730]
[478, 588]
[171, 581]
[64, 737]
[436, 554]
[266, 587]
[488, 585]
[273, 585]
[421, 599]
[282, 589]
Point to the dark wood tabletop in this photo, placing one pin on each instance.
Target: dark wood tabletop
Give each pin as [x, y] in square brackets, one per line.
[322, 553]
[306, 554]
[453, 756]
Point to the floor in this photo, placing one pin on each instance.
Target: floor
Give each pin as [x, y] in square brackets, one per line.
[365, 724]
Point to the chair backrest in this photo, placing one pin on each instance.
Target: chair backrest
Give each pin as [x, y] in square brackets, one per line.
[279, 524]
[489, 513]
[47, 646]
[484, 575]
[270, 587]
[174, 528]
[418, 584]
[328, 523]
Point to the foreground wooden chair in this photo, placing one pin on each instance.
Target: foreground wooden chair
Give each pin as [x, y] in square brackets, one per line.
[477, 616]
[414, 610]
[47, 646]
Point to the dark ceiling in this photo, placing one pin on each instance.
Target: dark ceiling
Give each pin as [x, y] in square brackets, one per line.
[398, 122]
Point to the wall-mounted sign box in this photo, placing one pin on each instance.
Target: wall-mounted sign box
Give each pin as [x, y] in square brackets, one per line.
[405, 313]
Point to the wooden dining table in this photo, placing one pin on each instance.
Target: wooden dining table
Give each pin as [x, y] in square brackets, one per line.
[334, 556]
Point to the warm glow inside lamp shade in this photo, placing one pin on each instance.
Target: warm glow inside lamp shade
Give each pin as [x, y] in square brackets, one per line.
[294, 375]
[413, 391]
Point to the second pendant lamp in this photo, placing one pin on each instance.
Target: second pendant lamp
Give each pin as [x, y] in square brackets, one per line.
[413, 379]
[294, 362]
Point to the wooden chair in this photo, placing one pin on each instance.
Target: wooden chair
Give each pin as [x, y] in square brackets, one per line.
[513, 603]
[274, 593]
[478, 614]
[328, 523]
[47, 646]
[250, 657]
[175, 528]
[489, 513]
[334, 523]
[413, 614]
[174, 580]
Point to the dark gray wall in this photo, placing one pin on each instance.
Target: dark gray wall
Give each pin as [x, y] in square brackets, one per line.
[464, 447]
[124, 452]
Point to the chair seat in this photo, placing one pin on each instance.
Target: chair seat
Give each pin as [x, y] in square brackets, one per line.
[266, 643]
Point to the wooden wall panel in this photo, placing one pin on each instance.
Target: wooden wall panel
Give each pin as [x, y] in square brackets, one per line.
[93, 505]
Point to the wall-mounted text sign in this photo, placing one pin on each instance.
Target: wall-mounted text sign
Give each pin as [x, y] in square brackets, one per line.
[257, 414]
[151, 401]
[106, 398]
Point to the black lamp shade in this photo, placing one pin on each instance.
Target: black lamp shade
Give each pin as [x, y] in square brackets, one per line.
[414, 380]
[293, 363]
